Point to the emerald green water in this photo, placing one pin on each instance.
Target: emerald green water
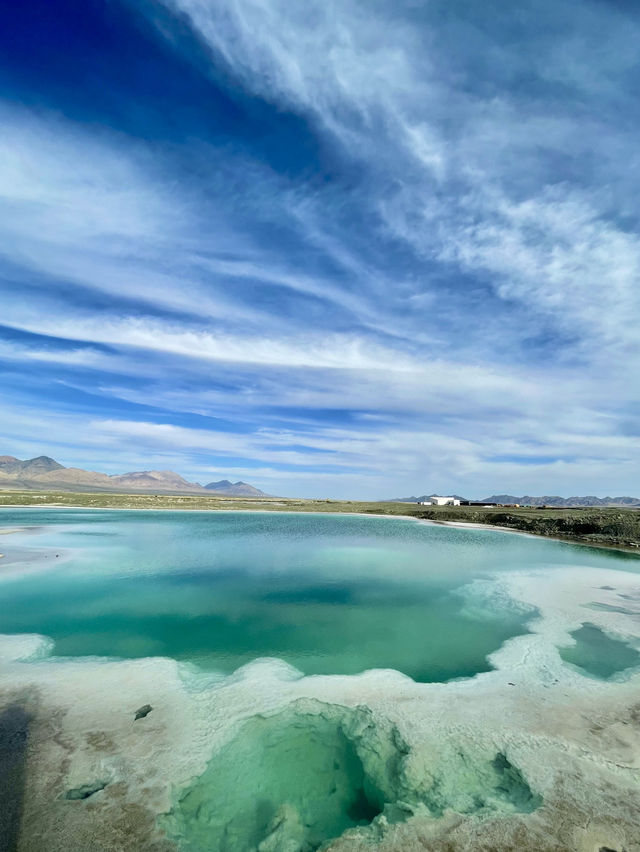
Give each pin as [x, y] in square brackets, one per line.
[327, 594]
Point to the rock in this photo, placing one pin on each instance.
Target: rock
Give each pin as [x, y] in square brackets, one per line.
[143, 711]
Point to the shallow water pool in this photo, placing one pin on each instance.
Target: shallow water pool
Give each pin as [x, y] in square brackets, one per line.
[599, 655]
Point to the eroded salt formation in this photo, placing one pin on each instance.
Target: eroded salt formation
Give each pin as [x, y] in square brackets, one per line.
[305, 775]
[289, 781]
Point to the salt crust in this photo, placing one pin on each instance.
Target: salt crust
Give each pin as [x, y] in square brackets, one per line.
[575, 739]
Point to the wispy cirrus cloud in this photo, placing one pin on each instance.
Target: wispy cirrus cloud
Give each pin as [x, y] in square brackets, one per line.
[483, 176]
[388, 248]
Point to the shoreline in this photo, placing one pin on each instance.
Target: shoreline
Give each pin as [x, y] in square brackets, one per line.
[563, 539]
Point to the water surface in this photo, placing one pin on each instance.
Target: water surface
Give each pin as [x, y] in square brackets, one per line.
[327, 594]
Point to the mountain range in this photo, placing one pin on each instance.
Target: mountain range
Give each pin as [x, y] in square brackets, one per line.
[555, 502]
[564, 502]
[44, 472]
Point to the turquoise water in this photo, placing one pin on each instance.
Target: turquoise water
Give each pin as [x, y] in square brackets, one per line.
[299, 778]
[258, 786]
[598, 654]
[296, 779]
[327, 594]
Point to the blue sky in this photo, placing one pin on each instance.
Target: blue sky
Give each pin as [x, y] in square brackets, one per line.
[347, 249]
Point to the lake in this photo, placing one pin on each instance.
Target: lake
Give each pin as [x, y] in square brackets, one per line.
[328, 594]
[309, 595]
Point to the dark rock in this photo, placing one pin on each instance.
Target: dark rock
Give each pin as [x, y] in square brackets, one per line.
[143, 711]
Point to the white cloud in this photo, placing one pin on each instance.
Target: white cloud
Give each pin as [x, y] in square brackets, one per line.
[362, 464]
[524, 206]
[385, 89]
[106, 215]
[556, 254]
[325, 350]
[83, 356]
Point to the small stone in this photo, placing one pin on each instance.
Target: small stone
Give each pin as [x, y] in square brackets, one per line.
[143, 711]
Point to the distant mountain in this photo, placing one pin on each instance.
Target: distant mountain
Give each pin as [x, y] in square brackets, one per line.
[46, 473]
[555, 502]
[234, 489]
[561, 502]
[150, 479]
[29, 467]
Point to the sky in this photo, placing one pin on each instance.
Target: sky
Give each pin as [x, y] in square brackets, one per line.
[335, 248]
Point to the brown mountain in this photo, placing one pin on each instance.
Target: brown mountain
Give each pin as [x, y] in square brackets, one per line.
[44, 473]
[29, 467]
[234, 489]
[150, 479]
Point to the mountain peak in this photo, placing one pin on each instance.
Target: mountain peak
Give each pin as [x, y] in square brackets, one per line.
[234, 489]
[28, 467]
[44, 472]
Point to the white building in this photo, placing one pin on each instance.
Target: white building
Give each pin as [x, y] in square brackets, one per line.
[440, 501]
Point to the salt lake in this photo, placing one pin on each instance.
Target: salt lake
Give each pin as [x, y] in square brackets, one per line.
[319, 679]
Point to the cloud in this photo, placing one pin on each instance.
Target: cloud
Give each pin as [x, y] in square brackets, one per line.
[555, 253]
[432, 285]
[384, 89]
[340, 352]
